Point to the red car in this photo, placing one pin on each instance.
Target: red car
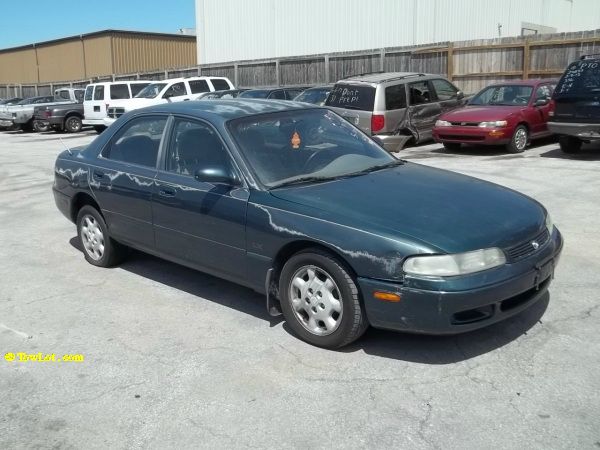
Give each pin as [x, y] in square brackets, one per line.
[509, 114]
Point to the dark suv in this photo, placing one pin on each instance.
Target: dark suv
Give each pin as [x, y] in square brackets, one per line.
[576, 116]
[397, 107]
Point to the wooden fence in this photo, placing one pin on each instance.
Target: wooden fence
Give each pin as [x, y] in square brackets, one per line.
[471, 65]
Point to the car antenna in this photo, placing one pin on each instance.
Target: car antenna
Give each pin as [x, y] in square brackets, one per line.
[65, 146]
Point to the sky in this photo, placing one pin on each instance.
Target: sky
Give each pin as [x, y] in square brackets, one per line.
[36, 20]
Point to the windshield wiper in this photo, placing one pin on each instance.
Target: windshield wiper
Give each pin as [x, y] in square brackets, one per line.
[302, 180]
[377, 167]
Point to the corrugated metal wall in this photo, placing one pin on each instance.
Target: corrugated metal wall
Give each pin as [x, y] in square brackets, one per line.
[236, 30]
[94, 55]
[142, 53]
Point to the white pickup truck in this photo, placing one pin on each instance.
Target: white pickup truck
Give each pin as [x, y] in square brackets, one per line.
[21, 114]
[165, 91]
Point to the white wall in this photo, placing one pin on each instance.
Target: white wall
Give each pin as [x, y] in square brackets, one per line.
[230, 30]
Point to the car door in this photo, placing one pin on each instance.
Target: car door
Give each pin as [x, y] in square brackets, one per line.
[540, 109]
[198, 223]
[123, 179]
[177, 92]
[447, 95]
[423, 109]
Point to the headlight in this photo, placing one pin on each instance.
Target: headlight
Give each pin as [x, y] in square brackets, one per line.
[442, 123]
[457, 264]
[495, 124]
[549, 223]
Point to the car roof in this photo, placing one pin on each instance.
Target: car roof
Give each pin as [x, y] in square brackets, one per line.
[383, 77]
[224, 110]
[531, 82]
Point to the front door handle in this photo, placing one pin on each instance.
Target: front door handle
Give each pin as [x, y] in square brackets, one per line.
[166, 192]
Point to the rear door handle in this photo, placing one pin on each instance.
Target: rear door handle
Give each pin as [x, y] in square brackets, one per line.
[166, 192]
[98, 175]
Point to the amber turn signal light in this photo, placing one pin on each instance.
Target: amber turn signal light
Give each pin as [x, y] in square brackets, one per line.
[387, 296]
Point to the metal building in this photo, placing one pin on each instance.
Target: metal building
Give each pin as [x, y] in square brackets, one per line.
[98, 54]
[233, 30]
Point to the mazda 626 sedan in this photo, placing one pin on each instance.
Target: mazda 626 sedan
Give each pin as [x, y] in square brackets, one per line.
[293, 201]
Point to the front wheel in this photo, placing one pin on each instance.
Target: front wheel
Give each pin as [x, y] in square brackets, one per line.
[40, 127]
[98, 247]
[569, 144]
[519, 140]
[73, 124]
[320, 300]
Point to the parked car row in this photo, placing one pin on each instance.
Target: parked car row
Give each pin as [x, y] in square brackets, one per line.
[398, 108]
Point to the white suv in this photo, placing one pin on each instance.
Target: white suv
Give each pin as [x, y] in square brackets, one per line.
[99, 95]
[165, 91]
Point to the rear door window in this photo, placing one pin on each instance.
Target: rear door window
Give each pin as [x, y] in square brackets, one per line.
[138, 141]
[119, 91]
[199, 86]
[137, 87]
[395, 97]
[419, 93]
[219, 84]
[582, 78]
[352, 96]
[277, 95]
[99, 92]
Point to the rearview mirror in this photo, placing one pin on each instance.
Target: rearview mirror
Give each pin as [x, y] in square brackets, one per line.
[215, 175]
[541, 102]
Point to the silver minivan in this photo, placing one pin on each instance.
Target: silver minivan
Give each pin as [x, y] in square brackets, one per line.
[397, 107]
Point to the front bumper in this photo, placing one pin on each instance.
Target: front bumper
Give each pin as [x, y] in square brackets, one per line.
[472, 135]
[586, 131]
[393, 143]
[7, 123]
[108, 121]
[451, 312]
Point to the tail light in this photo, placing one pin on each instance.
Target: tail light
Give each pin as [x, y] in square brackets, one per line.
[377, 122]
[551, 108]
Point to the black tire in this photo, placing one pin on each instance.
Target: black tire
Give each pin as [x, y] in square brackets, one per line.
[99, 128]
[452, 146]
[73, 124]
[352, 320]
[516, 144]
[112, 253]
[39, 127]
[27, 127]
[569, 144]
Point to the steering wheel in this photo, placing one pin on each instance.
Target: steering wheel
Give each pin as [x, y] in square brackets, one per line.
[521, 100]
[317, 160]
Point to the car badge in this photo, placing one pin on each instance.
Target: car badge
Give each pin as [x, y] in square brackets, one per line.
[535, 245]
[463, 123]
[296, 141]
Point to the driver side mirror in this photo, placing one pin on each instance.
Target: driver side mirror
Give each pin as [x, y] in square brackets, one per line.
[460, 95]
[541, 102]
[215, 175]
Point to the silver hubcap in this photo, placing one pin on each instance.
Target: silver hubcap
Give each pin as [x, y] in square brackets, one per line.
[74, 124]
[92, 237]
[520, 139]
[316, 300]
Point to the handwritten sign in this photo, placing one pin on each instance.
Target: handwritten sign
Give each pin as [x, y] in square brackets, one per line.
[575, 77]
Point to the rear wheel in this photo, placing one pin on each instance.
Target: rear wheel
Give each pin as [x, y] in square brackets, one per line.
[320, 300]
[519, 140]
[453, 147]
[99, 248]
[73, 124]
[569, 144]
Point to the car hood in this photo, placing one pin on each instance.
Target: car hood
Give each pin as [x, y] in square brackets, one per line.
[481, 113]
[451, 212]
[133, 103]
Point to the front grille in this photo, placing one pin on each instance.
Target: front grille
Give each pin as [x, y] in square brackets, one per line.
[527, 248]
[465, 124]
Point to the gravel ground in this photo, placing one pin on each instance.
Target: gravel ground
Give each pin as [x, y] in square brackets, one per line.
[178, 359]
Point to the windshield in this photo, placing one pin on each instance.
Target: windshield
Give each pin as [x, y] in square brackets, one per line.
[254, 94]
[315, 143]
[580, 79]
[151, 91]
[509, 95]
[314, 96]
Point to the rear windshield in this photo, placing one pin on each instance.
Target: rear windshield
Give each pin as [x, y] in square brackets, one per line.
[219, 84]
[351, 96]
[581, 78]
[255, 94]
